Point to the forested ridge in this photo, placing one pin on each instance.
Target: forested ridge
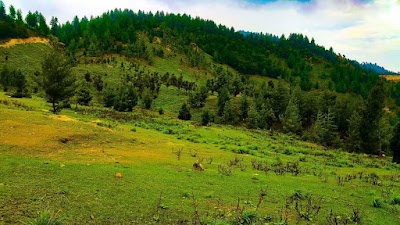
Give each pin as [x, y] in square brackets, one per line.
[314, 93]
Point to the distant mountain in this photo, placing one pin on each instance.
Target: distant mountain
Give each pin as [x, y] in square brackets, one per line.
[377, 69]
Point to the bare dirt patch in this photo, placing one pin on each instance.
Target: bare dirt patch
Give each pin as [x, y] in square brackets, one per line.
[18, 41]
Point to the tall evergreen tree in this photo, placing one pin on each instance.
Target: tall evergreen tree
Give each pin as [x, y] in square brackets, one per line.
[206, 118]
[184, 113]
[280, 97]
[54, 26]
[223, 97]
[228, 116]
[291, 119]
[5, 78]
[395, 145]
[58, 82]
[244, 108]
[370, 135]
[84, 94]
[324, 131]
[253, 118]
[13, 12]
[20, 84]
[354, 132]
[3, 14]
[266, 117]
[31, 20]
[198, 99]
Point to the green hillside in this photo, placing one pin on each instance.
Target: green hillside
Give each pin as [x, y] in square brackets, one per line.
[142, 118]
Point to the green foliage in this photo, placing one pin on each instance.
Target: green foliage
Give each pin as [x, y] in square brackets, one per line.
[253, 119]
[248, 217]
[373, 113]
[291, 119]
[377, 203]
[206, 118]
[126, 98]
[147, 98]
[84, 94]
[324, 131]
[5, 78]
[354, 140]
[280, 99]
[396, 200]
[184, 113]
[395, 145]
[244, 108]
[228, 115]
[198, 99]
[223, 97]
[58, 83]
[20, 84]
[45, 218]
[266, 117]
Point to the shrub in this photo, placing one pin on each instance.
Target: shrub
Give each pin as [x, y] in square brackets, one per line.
[161, 111]
[396, 200]
[184, 113]
[206, 118]
[377, 203]
[45, 218]
[248, 217]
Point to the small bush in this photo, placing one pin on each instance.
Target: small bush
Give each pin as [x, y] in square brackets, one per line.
[396, 200]
[377, 203]
[45, 218]
[248, 217]
[184, 113]
[133, 129]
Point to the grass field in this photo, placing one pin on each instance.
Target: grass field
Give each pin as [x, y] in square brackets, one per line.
[67, 164]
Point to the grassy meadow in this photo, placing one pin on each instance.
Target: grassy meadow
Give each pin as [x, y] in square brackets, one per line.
[96, 166]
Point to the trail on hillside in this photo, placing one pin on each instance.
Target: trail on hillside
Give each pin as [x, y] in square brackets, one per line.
[19, 41]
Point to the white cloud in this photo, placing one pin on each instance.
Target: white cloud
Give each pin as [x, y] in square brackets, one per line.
[365, 30]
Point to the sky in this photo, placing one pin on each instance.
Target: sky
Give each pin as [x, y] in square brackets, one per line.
[364, 30]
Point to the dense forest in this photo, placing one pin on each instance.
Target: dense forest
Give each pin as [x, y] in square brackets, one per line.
[344, 106]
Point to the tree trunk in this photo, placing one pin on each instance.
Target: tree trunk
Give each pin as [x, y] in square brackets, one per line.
[54, 107]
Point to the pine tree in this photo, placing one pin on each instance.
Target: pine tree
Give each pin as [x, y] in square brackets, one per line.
[184, 113]
[291, 119]
[253, 118]
[147, 98]
[395, 145]
[223, 97]
[58, 82]
[3, 14]
[126, 98]
[21, 85]
[280, 97]
[371, 142]
[5, 78]
[385, 133]
[324, 130]
[228, 116]
[354, 136]
[244, 108]
[206, 118]
[198, 99]
[266, 117]
[13, 12]
[84, 95]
